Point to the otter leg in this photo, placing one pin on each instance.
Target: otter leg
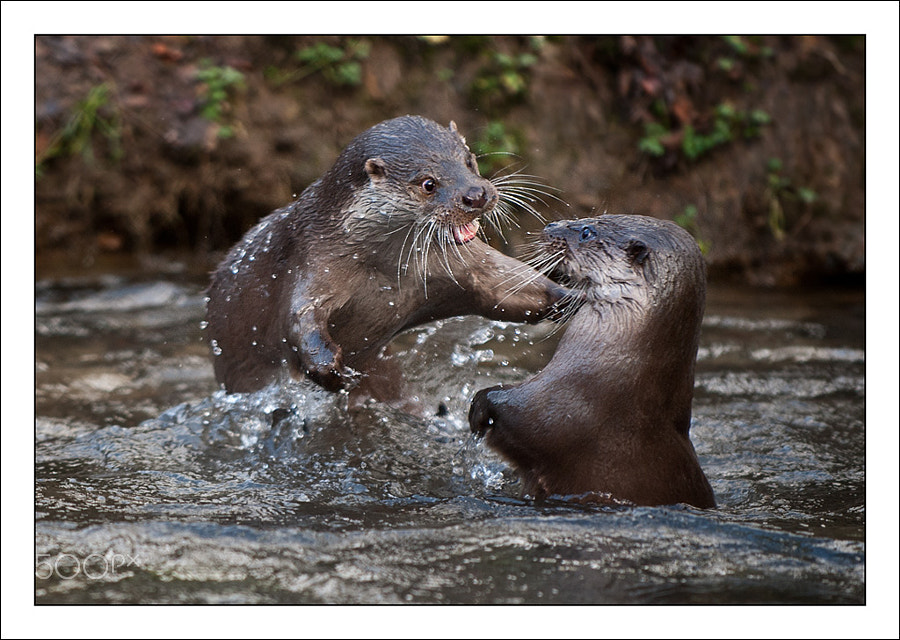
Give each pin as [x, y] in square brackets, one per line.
[494, 416]
[512, 291]
[312, 351]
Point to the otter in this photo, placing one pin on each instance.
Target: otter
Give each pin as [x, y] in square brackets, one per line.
[385, 240]
[608, 418]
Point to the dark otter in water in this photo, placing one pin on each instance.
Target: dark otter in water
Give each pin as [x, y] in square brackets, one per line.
[609, 415]
[385, 240]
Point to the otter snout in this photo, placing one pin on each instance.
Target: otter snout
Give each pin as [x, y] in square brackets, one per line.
[476, 197]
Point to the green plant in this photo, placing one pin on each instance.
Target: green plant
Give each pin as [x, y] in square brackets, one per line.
[652, 142]
[781, 193]
[220, 85]
[742, 48]
[494, 145]
[339, 66]
[727, 124]
[504, 78]
[96, 113]
[748, 47]
[688, 221]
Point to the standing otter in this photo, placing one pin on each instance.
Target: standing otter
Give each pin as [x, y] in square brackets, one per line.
[383, 241]
[609, 415]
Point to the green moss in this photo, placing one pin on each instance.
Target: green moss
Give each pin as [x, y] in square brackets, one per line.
[221, 85]
[338, 65]
[784, 199]
[95, 114]
[503, 79]
[688, 221]
[727, 124]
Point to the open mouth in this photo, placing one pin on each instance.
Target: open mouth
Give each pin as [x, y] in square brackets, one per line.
[465, 232]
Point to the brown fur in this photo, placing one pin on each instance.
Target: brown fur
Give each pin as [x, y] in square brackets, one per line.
[377, 245]
[609, 415]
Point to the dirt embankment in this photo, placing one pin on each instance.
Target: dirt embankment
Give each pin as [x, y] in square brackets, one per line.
[756, 145]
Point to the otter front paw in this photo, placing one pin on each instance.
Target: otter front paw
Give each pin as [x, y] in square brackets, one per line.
[330, 377]
[481, 414]
[319, 358]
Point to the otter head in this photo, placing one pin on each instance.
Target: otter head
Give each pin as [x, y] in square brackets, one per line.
[410, 189]
[644, 279]
[411, 173]
[621, 260]
[436, 176]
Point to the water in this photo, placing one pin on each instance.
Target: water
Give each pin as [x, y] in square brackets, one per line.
[151, 486]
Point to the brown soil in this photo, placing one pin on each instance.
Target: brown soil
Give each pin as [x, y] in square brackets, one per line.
[151, 166]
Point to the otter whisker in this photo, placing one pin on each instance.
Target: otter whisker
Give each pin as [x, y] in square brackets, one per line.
[445, 239]
[415, 251]
[541, 257]
[531, 274]
[533, 185]
[403, 267]
[426, 236]
[497, 153]
[504, 216]
[455, 245]
[524, 191]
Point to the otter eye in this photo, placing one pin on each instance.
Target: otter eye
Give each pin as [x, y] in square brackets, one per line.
[588, 233]
[429, 185]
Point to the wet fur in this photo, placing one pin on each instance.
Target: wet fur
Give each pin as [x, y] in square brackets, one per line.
[609, 416]
[319, 287]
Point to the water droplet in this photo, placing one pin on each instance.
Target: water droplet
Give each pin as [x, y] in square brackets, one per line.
[204, 324]
[216, 349]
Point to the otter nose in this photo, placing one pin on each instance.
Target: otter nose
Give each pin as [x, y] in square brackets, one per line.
[476, 198]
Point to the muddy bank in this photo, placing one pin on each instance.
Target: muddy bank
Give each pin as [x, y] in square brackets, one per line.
[756, 145]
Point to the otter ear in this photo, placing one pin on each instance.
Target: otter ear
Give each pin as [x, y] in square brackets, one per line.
[456, 131]
[637, 251]
[376, 168]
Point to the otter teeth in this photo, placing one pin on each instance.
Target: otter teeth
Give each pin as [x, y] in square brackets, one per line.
[465, 232]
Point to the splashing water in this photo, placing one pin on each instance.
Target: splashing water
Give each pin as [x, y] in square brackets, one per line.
[154, 486]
